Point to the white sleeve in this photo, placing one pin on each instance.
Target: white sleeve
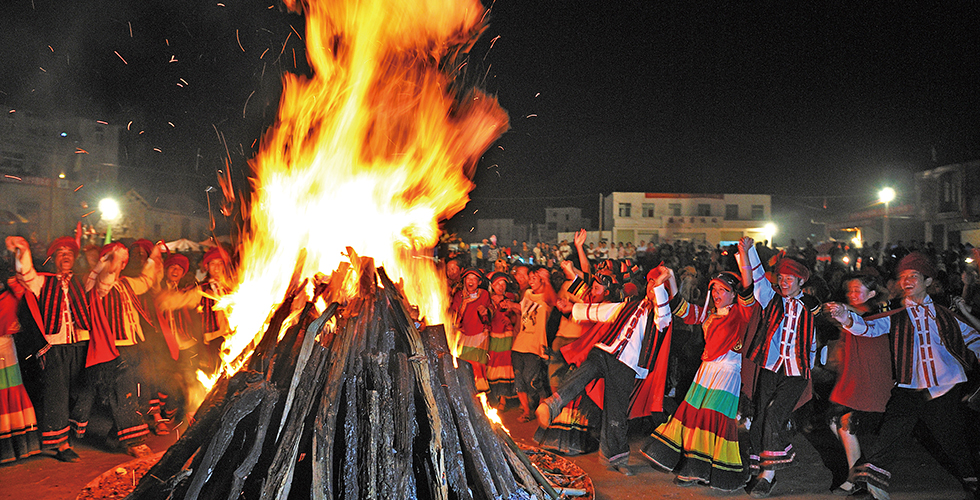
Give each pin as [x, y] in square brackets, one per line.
[869, 328]
[597, 313]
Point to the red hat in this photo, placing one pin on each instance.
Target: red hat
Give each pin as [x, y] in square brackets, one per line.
[111, 247]
[145, 244]
[500, 276]
[216, 253]
[471, 270]
[177, 260]
[792, 267]
[629, 289]
[64, 241]
[917, 261]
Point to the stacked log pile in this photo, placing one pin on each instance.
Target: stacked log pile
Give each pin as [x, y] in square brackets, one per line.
[356, 403]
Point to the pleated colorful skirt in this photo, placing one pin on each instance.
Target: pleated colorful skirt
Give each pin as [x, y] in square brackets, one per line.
[575, 430]
[473, 348]
[500, 370]
[19, 436]
[700, 441]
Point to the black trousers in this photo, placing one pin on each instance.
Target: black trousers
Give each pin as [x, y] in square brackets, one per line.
[905, 408]
[66, 395]
[115, 385]
[619, 380]
[775, 397]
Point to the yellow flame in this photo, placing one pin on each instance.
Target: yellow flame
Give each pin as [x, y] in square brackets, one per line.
[370, 152]
[491, 412]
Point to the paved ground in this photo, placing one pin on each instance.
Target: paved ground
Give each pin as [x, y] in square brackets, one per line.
[919, 477]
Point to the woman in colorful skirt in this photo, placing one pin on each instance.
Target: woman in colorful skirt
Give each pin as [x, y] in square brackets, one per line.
[700, 441]
[19, 437]
[505, 311]
[471, 309]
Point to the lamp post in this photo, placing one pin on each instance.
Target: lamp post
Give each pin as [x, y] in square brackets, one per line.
[885, 196]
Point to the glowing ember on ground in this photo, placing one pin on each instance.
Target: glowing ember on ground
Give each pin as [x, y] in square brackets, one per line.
[371, 152]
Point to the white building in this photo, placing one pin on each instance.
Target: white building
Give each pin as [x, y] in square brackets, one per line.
[700, 218]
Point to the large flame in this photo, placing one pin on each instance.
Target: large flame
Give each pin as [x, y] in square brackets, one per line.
[371, 152]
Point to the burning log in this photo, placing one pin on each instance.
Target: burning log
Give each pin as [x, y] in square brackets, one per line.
[357, 403]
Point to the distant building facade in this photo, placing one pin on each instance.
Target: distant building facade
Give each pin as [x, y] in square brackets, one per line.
[948, 203]
[699, 218]
[51, 171]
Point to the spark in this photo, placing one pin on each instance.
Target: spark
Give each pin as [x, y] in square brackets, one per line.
[52, 48]
[173, 59]
[494, 40]
[539, 93]
[239, 41]
[185, 82]
[220, 4]
[166, 41]
[294, 58]
[158, 150]
[294, 31]
[172, 125]
[80, 151]
[79, 187]
[284, 44]
[102, 122]
[87, 214]
[253, 143]
[501, 147]
[130, 29]
[530, 115]
[120, 57]
[475, 211]
[246, 103]
[13, 177]
[12, 111]
[42, 69]
[129, 125]
[263, 53]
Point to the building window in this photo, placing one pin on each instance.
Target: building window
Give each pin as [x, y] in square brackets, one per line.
[758, 212]
[731, 212]
[624, 209]
[704, 209]
[566, 217]
[674, 209]
[648, 209]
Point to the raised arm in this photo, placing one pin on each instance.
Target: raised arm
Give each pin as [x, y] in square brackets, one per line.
[749, 259]
[583, 258]
[23, 264]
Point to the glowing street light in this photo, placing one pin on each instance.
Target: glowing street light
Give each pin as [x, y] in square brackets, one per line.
[110, 212]
[769, 230]
[110, 209]
[886, 196]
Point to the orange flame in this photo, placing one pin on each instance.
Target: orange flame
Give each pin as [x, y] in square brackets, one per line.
[370, 152]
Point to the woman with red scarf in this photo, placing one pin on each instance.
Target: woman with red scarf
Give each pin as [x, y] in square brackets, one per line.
[700, 441]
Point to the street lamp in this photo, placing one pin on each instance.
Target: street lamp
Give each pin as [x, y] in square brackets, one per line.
[770, 231]
[110, 212]
[885, 196]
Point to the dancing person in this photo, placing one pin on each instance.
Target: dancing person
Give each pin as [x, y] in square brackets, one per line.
[700, 441]
[62, 311]
[784, 348]
[931, 349]
[117, 330]
[504, 314]
[635, 346]
[470, 308]
[530, 349]
[864, 380]
[19, 436]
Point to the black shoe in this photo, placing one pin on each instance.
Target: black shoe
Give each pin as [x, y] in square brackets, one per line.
[67, 455]
[763, 488]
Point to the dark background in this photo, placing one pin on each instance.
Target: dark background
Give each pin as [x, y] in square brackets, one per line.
[819, 104]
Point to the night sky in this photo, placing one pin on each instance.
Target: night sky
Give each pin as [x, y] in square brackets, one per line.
[814, 104]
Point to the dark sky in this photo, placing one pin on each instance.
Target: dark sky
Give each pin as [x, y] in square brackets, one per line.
[802, 100]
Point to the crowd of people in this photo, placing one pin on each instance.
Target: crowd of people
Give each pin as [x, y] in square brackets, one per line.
[859, 343]
[710, 342]
[115, 330]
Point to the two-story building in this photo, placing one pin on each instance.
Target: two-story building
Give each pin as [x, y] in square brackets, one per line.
[701, 218]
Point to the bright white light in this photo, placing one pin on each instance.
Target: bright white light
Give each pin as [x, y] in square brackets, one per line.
[770, 230]
[856, 242]
[886, 195]
[110, 209]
